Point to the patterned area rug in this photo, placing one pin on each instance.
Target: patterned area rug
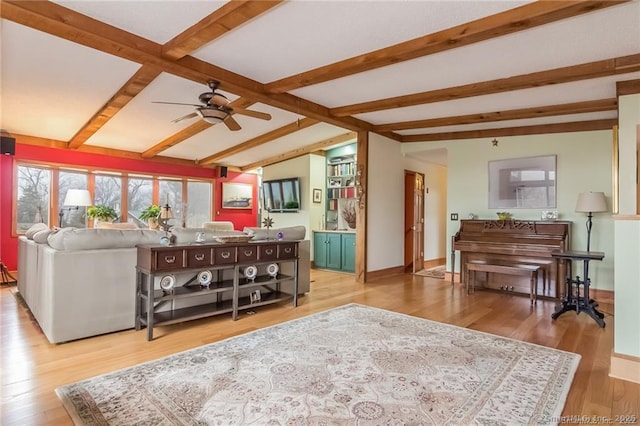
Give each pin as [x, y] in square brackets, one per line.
[437, 272]
[349, 365]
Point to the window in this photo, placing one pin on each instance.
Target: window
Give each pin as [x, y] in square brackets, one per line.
[190, 200]
[140, 196]
[171, 193]
[75, 216]
[108, 192]
[198, 208]
[282, 195]
[33, 197]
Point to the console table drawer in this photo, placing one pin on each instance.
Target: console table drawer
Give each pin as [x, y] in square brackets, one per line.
[224, 255]
[247, 253]
[286, 250]
[268, 252]
[198, 257]
[169, 259]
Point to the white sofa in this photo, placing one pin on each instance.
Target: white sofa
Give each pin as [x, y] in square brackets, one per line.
[81, 282]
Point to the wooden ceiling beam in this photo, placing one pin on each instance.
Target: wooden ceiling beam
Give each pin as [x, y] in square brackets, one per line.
[604, 68]
[577, 126]
[516, 114]
[629, 87]
[298, 152]
[260, 140]
[228, 17]
[507, 22]
[141, 79]
[186, 133]
[57, 20]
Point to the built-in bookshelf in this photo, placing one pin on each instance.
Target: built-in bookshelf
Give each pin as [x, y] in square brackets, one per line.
[341, 191]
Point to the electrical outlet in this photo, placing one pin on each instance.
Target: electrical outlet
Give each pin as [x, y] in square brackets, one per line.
[454, 216]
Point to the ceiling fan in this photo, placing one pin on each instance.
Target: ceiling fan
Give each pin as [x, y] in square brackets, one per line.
[214, 108]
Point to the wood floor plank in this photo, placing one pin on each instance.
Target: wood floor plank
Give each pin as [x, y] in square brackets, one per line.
[32, 368]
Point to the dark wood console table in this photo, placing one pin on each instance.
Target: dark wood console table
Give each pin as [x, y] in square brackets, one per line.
[572, 300]
[228, 288]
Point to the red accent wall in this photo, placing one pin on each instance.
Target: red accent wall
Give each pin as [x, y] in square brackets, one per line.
[9, 243]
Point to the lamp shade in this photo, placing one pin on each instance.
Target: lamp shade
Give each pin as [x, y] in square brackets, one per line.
[591, 202]
[78, 197]
[165, 212]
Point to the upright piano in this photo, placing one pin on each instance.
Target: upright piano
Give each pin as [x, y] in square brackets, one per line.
[513, 242]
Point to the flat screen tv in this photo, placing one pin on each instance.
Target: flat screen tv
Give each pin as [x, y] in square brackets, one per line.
[281, 195]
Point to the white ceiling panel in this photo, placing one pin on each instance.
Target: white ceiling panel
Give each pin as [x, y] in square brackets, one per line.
[570, 42]
[158, 21]
[301, 35]
[302, 138]
[51, 87]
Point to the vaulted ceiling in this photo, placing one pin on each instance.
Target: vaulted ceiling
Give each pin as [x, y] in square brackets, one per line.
[87, 75]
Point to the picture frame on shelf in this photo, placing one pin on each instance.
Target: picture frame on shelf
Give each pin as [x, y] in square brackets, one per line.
[237, 195]
[317, 195]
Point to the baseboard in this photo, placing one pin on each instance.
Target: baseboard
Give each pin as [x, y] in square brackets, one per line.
[625, 367]
[384, 273]
[602, 296]
[432, 263]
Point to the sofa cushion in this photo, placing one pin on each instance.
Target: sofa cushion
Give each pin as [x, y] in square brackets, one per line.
[94, 238]
[36, 227]
[188, 235]
[218, 226]
[111, 225]
[288, 233]
[41, 237]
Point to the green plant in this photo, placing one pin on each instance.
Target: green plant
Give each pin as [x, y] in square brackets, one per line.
[101, 212]
[291, 205]
[150, 212]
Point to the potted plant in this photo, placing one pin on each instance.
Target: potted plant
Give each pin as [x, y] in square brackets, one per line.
[101, 213]
[150, 214]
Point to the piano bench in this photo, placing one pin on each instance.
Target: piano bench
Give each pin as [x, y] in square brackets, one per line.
[517, 269]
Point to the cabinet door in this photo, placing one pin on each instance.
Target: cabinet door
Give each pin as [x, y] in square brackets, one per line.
[334, 252]
[349, 252]
[320, 249]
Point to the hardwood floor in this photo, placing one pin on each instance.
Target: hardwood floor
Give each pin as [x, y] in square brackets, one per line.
[32, 368]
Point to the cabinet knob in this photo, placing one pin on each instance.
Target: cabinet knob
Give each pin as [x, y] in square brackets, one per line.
[199, 256]
[248, 253]
[169, 259]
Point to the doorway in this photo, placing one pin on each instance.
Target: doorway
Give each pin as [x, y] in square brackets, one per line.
[413, 221]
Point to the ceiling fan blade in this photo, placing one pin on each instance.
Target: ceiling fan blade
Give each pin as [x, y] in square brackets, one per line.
[231, 123]
[251, 113]
[175, 103]
[184, 117]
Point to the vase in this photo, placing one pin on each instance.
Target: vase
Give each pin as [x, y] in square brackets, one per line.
[153, 223]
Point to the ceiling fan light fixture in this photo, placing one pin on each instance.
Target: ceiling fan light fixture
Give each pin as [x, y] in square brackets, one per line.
[212, 115]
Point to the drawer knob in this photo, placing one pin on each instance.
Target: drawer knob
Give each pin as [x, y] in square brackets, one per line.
[248, 253]
[199, 256]
[169, 259]
[269, 251]
[225, 254]
[287, 250]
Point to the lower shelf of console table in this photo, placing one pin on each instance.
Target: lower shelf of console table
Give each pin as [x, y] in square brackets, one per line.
[229, 290]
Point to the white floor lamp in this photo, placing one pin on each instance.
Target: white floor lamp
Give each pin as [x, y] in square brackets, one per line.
[75, 198]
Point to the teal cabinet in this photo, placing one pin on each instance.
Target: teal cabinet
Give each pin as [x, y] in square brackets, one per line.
[348, 252]
[334, 250]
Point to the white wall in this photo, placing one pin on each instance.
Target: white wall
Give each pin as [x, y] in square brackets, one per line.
[385, 204]
[627, 233]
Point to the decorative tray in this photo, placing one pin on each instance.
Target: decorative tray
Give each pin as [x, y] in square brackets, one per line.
[234, 238]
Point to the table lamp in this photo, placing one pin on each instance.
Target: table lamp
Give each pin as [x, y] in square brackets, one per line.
[76, 198]
[591, 202]
[164, 217]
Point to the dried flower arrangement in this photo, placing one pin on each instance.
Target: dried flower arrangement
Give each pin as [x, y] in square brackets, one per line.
[349, 213]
